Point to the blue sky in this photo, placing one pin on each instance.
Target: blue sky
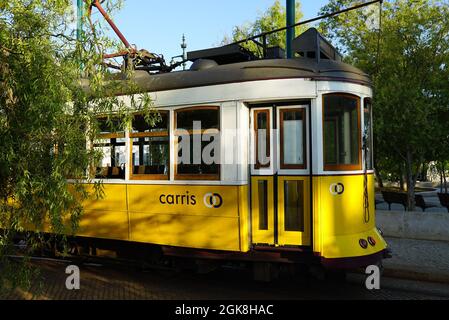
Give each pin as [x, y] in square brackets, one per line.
[158, 25]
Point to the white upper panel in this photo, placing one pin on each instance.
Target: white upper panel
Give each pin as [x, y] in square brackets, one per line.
[246, 91]
[235, 115]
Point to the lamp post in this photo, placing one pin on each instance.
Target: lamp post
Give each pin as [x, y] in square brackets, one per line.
[291, 17]
[79, 27]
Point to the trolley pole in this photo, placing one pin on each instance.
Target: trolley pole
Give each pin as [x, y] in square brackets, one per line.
[291, 17]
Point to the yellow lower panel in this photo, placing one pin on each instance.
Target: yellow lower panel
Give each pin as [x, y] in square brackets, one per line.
[114, 199]
[217, 233]
[206, 217]
[104, 224]
[348, 246]
[340, 220]
[341, 204]
[244, 218]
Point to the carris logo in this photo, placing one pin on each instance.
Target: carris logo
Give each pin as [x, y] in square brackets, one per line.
[213, 200]
[337, 189]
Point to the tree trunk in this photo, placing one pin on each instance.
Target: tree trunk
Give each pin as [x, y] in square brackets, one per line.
[401, 182]
[401, 178]
[379, 179]
[444, 177]
[410, 182]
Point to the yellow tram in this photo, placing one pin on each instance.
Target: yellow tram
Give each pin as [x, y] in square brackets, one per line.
[290, 176]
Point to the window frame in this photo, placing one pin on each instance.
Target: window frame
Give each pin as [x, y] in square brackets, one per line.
[343, 167]
[371, 131]
[257, 164]
[284, 166]
[184, 177]
[132, 136]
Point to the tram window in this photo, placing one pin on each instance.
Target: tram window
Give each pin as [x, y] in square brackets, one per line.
[111, 146]
[341, 132]
[368, 133]
[293, 136]
[207, 117]
[198, 143]
[262, 136]
[150, 148]
[140, 125]
[294, 205]
[108, 126]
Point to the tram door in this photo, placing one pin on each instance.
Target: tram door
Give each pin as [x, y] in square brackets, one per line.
[280, 184]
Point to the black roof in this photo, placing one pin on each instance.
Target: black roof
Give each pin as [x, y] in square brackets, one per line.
[323, 70]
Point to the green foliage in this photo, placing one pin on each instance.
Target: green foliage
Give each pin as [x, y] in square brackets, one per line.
[273, 18]
[409, 68]
[46, 116]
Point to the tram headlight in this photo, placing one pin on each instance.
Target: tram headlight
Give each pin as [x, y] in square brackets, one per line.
[363, 243]
[371, 241]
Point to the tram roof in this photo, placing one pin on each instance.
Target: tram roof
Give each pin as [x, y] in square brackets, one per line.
[208, 73]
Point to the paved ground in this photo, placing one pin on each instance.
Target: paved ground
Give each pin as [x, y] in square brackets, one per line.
[124, 284]
[419, 259]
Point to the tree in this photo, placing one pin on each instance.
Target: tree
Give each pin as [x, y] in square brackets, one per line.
[274, 18]
[45, 120]
[408, 65]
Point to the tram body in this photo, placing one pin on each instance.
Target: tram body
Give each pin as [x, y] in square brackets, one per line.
[311, 198]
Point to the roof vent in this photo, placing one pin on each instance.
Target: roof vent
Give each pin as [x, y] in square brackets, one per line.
[275, 53]
[311, 44]
[203, 64]
[223, 55]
